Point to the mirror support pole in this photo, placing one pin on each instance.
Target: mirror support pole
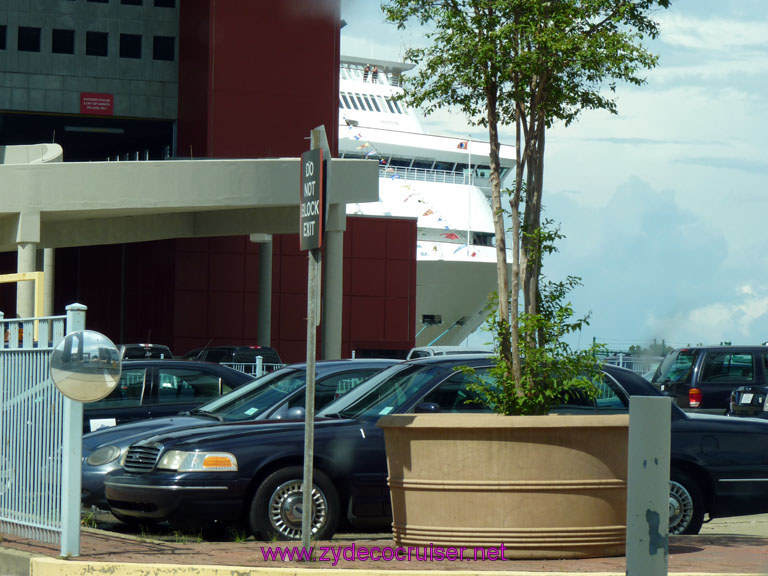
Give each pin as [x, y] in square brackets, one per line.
[72, 455]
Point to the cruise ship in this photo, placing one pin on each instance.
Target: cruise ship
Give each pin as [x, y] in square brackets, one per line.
[443, 181]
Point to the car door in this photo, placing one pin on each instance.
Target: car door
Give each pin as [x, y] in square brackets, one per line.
[125, 403]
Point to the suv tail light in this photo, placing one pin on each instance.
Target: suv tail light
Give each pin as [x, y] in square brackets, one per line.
[694, 397]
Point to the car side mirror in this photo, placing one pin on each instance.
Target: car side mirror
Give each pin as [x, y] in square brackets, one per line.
[427, 407]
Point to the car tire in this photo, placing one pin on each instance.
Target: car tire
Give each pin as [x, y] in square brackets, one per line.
[686, 504]
[275, 512]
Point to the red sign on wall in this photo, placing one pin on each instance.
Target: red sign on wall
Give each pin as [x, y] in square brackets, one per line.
[99, 104]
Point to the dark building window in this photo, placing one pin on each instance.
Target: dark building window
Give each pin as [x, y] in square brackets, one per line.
[2, 37]
[165, 3]
[99, 1]
[163, 48]
[130, 45]
[63, 41]
[131, 2]
[96, 43]
[29, 39]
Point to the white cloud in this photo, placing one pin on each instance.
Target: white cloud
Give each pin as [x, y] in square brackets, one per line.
[712, 34]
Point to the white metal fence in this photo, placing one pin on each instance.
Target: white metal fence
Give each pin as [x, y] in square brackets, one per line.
[31, 429]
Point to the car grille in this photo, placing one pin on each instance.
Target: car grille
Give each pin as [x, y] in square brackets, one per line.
[141, 458]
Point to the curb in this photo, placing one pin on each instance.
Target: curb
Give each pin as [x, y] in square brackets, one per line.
[42, 566]
[15, 562]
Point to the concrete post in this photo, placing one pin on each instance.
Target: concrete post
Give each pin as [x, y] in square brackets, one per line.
[49, 271]
[264, 327]
[333, 282]
[650, 421]
[25, 291]
[72, 454]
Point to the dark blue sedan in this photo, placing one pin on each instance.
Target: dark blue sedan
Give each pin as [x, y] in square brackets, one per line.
[276, 396]
[250, 474]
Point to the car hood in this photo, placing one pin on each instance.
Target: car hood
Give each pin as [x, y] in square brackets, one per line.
[222, 432]
[124, 434]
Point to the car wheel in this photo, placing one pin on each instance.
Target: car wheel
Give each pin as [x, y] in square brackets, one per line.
[686, 505]
[276, 508]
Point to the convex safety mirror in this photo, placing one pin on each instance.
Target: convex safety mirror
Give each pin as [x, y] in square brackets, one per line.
[85, 366]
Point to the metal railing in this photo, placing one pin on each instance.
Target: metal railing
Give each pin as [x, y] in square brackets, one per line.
[258, 368]
[424, 174]
[31, 429]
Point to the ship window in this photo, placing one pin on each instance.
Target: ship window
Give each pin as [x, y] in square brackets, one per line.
[29, 39]
[3, 29]
[446, 166]
[354, 104]
[397, 106]
[375, 104]
[360, 101]
[461, 167]
[346, 101]
[423, 164]
[96, 43]
[165, 3]
[131, 2]
[483, 239]
[163, 48]
[404, 162]
[389, 105]
[368, 103]
[62, 41]
[483, 172]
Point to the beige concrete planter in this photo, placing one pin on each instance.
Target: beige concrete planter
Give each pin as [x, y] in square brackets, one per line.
[543, 486]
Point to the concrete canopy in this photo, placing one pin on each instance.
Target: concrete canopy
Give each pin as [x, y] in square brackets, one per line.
[58, 204]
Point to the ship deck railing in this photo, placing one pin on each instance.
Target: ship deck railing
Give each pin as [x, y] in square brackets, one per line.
[424, 175]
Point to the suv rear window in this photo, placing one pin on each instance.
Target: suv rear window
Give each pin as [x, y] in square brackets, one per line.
[676, 367]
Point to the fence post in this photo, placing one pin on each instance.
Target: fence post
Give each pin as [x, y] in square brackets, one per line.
[72, 454]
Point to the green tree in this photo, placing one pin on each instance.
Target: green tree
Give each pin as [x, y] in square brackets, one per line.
[527, 64]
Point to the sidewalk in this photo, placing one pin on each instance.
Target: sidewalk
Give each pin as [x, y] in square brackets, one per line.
[736, 549]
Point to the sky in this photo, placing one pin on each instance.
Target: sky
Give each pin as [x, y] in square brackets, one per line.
[665, 205]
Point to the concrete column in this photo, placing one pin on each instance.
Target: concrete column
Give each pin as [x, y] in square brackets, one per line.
[264, 328]
[25, 291]
[650, 422]
[49, 271]
[333, 282]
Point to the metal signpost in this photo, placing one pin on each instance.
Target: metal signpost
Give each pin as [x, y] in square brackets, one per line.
[313, 201]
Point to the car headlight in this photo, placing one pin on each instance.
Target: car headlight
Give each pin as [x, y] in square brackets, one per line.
[103, 455]
[181, 461]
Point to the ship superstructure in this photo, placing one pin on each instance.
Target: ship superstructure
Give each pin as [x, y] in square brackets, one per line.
[442, 181]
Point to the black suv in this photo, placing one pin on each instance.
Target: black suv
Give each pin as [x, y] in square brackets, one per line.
[702, 378]
[243, 358]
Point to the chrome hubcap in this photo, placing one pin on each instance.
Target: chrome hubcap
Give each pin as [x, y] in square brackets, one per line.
[680, 508]
[286, 507]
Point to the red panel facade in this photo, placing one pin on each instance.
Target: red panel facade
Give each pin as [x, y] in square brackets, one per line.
[257, 75]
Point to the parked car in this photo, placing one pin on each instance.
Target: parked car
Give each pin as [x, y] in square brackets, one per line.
[427, 351]
[243, 358]
[250, 473]
[153, 388]
[144, 351]
[749, 401]
[702, 378]
[275, 396]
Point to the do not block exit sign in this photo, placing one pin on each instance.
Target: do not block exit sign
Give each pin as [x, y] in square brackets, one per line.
[311, 200]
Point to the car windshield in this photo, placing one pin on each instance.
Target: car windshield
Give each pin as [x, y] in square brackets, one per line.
[251, 400]
[676, 367]
[388, 391]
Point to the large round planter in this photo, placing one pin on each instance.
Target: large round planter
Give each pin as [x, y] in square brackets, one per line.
[543, 486]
